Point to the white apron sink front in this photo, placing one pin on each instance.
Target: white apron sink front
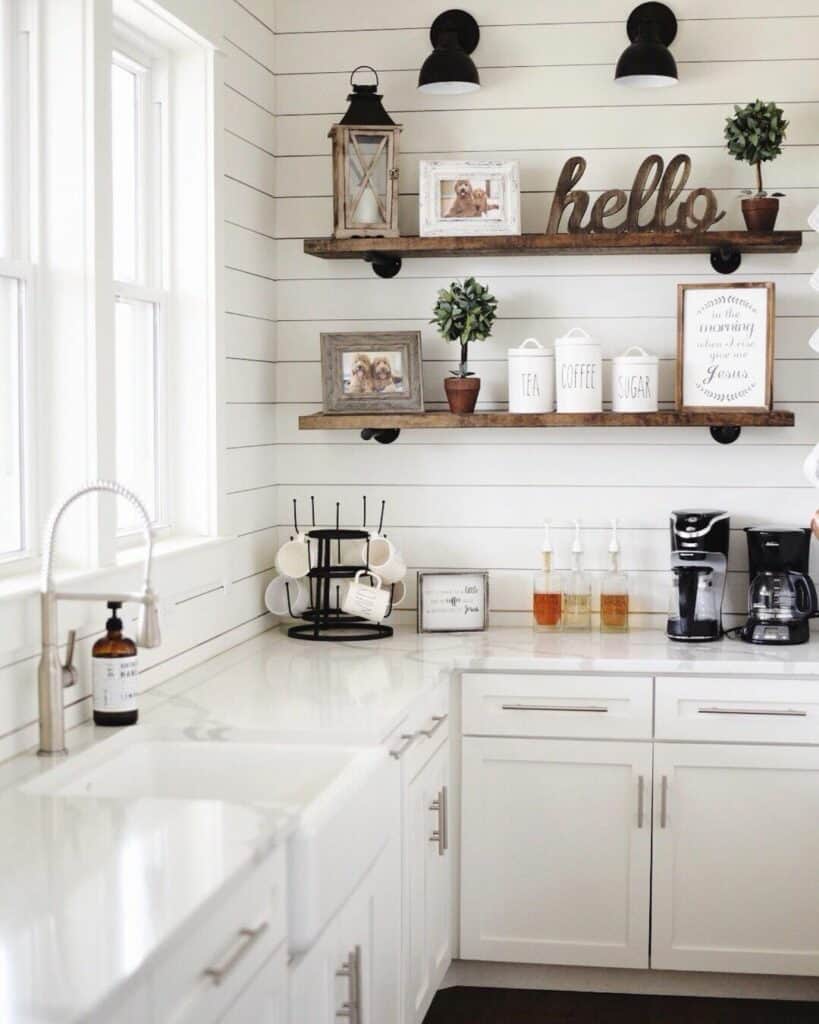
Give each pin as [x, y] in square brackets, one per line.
[338, 797]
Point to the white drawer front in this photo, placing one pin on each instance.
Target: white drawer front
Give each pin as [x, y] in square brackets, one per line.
[423, 732]
[198, 978]
[739, 710]
[607, 707]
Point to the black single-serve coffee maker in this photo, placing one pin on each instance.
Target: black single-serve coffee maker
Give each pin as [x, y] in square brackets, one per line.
[781, 595]
[699, 562]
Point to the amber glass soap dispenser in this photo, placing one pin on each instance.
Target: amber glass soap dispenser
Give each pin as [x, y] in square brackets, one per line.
[547, 596]
[114, 661]
[614, 591]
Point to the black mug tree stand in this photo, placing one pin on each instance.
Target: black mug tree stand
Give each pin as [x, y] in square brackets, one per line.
[324, 619]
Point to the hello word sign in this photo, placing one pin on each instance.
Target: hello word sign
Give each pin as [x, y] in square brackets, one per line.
[654, 183]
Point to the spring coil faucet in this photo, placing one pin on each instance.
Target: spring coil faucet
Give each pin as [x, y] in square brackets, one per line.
[52, 676]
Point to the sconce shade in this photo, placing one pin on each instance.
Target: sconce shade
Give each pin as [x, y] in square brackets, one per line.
[648, 63]
[449, 70]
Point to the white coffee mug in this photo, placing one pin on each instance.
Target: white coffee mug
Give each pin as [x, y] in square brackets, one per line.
[399, 592]
[813, 341]
[813, 219]
[293, 557]
[810, 467]
[366, 600]
[275, 597]
[385, 559]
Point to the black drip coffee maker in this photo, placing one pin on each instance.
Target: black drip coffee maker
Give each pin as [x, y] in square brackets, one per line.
[781, 596]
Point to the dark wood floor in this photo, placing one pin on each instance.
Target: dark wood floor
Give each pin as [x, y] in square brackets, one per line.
[507, 1006]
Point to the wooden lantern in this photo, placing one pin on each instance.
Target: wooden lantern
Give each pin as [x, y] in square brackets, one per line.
[365, 167]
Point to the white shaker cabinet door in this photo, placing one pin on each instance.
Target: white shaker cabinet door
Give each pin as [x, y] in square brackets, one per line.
[555, 851]
[736, 859]
[369, 944]
[428, 858]
[264, 1000]
[315, 992]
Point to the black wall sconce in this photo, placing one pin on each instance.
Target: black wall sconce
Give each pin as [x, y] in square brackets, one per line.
[449, 70]
[648, 63]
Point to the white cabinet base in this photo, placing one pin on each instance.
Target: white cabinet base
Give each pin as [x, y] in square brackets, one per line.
[474, 974]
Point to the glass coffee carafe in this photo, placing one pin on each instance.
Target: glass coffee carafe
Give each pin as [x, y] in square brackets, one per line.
[780, 597]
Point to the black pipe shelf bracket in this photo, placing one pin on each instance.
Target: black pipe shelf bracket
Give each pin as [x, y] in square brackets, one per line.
[727, 259]
[384, 264]
[385, 435]
[725, 434]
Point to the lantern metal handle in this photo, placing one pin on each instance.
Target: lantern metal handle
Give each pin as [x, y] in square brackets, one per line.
[363, 67]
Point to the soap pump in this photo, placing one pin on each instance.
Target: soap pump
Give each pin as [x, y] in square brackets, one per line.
[614, 591]
[114, 664]
[577, 590]
[547, 598]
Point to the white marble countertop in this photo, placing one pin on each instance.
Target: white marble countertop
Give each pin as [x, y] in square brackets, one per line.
[93, 889]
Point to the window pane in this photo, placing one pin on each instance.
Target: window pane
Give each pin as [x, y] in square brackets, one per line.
[137, 405]
[11, 482]
[125, 153]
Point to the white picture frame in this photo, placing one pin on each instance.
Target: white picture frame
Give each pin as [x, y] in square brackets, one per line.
[455, 601]
[725, 346]
[469, 197]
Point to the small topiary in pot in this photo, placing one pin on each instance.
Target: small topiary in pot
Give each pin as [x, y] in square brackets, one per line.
[755, 135]
[464, 313]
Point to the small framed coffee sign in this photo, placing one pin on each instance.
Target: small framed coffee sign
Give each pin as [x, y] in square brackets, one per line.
[725, 346]
[453, 602]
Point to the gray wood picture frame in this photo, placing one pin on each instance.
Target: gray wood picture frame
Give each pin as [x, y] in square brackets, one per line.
[373, 395]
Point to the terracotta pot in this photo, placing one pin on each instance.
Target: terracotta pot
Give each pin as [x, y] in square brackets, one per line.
[462, 393]
[760, 212]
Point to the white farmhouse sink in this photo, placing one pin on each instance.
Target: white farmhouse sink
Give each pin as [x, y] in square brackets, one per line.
[339, 797]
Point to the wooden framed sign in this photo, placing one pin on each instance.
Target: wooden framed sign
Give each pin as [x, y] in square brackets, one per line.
[725, 346]
[453, 602]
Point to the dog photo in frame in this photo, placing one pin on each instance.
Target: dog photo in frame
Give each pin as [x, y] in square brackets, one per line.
[372, 371]
[469, 197]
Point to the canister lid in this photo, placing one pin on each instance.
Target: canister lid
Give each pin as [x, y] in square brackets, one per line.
[532, 349]
[635, 354]
[576, 336]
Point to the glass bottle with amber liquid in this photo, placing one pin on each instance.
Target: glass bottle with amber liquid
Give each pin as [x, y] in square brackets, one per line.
[614, 591]
[547, 596]
[577, 598]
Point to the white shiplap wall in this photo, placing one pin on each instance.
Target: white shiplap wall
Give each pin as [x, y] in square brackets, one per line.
[215, 598]
[477, 499]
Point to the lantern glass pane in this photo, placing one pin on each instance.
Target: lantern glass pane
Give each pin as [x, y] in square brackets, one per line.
[367, 177]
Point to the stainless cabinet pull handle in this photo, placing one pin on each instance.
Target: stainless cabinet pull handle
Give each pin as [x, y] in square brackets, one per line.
[247, 936]
[785, 713]
[664, 802]
[597, 709]
[641, 801]
[351, 970]
[440, 835]
[439, 721]
[409, 739]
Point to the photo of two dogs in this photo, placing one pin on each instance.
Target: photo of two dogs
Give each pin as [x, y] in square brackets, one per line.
[372, 373]
[467, 199]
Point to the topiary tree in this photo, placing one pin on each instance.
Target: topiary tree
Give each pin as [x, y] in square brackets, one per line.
[463, 313]
[755, 135]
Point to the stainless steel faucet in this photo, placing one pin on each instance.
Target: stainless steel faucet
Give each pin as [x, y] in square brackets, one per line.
[53, 677]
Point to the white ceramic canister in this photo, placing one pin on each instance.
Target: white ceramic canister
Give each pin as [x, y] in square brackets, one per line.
[531, 378]
[578, 373]
[635, 381]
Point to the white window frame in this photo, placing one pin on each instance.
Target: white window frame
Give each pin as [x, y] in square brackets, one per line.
[149, 63]
[19, 59]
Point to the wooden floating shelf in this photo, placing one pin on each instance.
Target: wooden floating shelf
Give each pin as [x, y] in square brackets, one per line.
[725, 247]
[477, 420]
